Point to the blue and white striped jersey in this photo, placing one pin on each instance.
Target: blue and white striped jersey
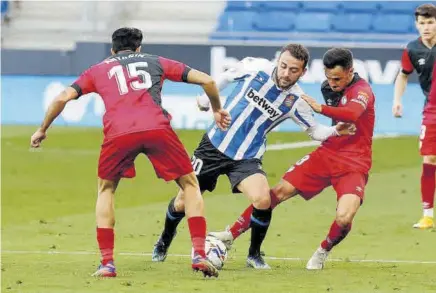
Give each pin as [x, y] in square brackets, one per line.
[256, 106]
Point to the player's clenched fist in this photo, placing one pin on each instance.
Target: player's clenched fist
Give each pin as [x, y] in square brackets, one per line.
[222, 119]
[345, 128]
[397, 110]
[37, 138]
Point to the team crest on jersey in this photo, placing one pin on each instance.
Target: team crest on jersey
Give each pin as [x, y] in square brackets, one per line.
[290, 100]
[344, 100]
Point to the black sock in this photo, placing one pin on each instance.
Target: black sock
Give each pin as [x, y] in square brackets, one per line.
[259, 224]
[172, 220]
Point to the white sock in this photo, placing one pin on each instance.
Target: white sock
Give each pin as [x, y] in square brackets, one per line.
[428, 213]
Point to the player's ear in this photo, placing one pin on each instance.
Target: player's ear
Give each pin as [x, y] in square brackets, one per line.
[304, 71]
[112, 51]
[138, 49]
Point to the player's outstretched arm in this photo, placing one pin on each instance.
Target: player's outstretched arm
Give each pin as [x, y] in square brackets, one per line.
[349, 113]
[399, 89]
[53, 111]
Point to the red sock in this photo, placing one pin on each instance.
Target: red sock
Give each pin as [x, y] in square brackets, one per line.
[197, 228]
[105, 239]
[428, 185]
[243, 222]
[335, 236]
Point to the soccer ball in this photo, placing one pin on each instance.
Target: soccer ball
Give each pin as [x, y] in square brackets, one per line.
[216, 251]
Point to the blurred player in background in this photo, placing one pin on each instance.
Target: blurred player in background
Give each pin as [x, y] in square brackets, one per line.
[420, 55]
[130, 83]
[342, 162]
[265, 95]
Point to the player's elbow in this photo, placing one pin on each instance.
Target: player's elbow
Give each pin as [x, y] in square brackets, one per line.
[208, 81]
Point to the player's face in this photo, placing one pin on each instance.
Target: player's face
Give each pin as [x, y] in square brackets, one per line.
[426, 27]
[338, 77]
[289, 70]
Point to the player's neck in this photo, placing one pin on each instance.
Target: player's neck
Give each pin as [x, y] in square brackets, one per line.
[429, 43]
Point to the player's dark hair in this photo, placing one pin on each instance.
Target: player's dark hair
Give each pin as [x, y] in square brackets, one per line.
[338, 57]
[297, 51]
[126, 38]
[425, 10]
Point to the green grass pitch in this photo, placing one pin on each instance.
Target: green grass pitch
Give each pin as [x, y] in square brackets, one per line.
[48, 226]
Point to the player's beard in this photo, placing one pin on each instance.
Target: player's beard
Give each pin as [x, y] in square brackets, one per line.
[277, 82]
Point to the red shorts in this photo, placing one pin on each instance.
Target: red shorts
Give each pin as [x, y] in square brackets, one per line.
[427, 140]
[316, 171]
[162, 147]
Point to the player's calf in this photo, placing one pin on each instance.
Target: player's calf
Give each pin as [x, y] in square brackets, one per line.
[172, 220]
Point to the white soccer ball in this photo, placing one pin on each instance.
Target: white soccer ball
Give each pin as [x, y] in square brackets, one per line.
[216, 251]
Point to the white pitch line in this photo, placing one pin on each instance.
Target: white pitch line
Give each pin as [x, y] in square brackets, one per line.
[40, 252]
[309, 143]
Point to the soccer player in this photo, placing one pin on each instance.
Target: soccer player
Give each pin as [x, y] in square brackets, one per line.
[420, 55]
[130, 84]
[265, 95]
[342, 162]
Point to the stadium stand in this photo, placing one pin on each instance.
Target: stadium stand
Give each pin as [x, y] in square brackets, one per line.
[386, 22]
[60, 24]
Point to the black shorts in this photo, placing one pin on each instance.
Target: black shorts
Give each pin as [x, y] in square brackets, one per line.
[209, 163]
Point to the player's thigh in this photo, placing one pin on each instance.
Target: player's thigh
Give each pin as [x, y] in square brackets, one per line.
[240, 171]
[166, 153]
[117, 157]
[350, 183]
[308, 175]
[347, 207]
[208, 164]
[256, 188]
[427, 143]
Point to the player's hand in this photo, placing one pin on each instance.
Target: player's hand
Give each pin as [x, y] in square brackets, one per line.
[37, 138]
[202, 106]
[312, 103]
[345, 128]
[222, 119]
[397, 110]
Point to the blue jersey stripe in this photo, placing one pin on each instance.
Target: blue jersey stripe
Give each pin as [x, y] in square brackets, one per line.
[301, 118]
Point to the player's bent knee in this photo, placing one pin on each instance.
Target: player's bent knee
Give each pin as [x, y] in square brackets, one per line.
[262, 202]
[284, 190]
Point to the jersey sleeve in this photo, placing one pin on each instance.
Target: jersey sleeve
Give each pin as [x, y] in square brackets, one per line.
[303, 116]
[84, 84]
[406, 63]
[174, 70]
[237, 72]
[360, 98]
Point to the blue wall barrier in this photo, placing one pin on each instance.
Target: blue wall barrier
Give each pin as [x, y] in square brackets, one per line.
[25, 98]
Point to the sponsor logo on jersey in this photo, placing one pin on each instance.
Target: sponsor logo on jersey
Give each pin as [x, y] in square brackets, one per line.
[362, 99]
[344, 100]
[261, 103]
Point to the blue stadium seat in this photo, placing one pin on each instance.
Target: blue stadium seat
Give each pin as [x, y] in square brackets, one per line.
[352, 23]
[393, 23]
[400, 6]
[276, 5]
[239, 21]
[360, 6]
[274, 21]
[324, 6]
[239, 5]
[313, 22]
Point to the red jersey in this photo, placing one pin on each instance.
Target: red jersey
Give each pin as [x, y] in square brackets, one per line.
[130, 85]
[430, 108]
[353, 152]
